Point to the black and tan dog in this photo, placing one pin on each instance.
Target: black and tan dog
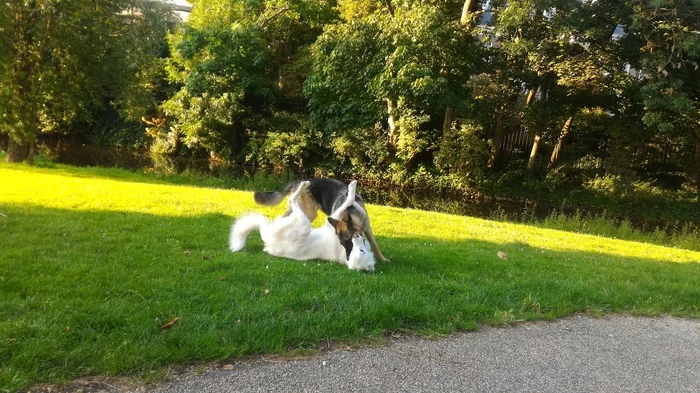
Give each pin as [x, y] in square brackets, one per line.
[327, 195]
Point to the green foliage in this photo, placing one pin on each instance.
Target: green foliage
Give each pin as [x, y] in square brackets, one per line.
[564, 51]
[373, 87]
[670, 58]
[113, 130]
[430, 57]
[563, 178]
[232, 69]
[222, 73]
[669, 106]
[602, 225]
[412, 140]
[463, 153]
[347, 58]
[413, 62]
[294, 73]
[289, 143]
[364, 149]
[546, 116]
[53, 76]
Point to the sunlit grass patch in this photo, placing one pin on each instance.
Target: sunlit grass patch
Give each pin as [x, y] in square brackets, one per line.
[94, 261]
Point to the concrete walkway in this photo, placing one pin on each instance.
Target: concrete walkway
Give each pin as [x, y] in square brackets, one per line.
[580, 354]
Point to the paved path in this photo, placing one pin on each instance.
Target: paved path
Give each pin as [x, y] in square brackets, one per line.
[580, 354]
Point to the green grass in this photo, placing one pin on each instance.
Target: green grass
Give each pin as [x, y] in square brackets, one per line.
[93, 262]
[686, 236]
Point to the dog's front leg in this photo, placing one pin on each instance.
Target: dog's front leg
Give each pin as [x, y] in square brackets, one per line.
[367, 229]
[375, 247]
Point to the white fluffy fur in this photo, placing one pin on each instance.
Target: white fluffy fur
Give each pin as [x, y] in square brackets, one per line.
[293, 237]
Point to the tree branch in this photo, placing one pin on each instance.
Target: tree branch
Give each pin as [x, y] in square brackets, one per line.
[389, 7]
[273, 16]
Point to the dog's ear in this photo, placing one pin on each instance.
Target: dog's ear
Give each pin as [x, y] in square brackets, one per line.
[340, 226]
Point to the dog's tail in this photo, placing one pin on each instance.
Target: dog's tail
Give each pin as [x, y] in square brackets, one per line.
[243, 227]
[275, 197]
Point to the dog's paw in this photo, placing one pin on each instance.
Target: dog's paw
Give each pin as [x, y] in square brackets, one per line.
[304, 185]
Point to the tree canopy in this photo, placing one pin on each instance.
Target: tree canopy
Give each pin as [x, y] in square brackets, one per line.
[63, 61]
[440, 87]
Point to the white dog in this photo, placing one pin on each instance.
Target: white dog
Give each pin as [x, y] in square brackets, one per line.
[293, 237]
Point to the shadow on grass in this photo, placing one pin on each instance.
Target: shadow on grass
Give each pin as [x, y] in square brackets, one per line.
[87, 292]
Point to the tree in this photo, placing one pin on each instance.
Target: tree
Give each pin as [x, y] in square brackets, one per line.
[237, 63]
[590, 68]
[222, 71]
[347, 58]
[497, 95]
[60, 60]
[431, 57]
[670, 59]
[399, 66]
[566, 50]
[467, 20]
[524, 33]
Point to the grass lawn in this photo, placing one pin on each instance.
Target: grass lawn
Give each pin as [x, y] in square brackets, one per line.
[94, 261]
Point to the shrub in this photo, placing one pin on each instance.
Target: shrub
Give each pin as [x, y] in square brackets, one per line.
[365, 149]
[563, 178]
[288, 142]
[463, 152]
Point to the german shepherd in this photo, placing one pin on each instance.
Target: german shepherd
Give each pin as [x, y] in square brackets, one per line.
[326, 195]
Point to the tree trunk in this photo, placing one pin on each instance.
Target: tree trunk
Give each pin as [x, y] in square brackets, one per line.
[389, 7]
[16, 152]
[554, 159]
[468, 10]
[530, 96]
[695, 172]
[449, 118]
[393, 128]
[538, 133]
[23, 73]
[31, 152]
[33, 132]
[497, 142]
[533, 152]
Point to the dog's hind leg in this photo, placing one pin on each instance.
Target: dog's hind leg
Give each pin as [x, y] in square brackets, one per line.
[295, 211]
[293, 202]
[293, 224]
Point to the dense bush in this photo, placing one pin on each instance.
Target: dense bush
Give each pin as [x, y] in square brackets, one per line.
[463, 154]
[288, 143]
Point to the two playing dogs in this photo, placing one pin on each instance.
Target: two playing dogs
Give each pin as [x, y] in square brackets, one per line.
[291, 235]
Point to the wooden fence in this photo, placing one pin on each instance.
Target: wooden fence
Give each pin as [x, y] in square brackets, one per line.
[654, 156]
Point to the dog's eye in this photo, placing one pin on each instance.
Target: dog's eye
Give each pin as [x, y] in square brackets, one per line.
[362, 251]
